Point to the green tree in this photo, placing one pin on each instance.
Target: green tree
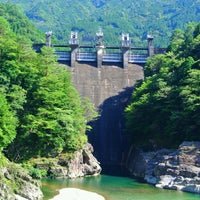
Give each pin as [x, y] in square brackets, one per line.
[8, 123]
[190, 94]
[53, 115]
[177, 41]
[164, 110]
[38, 92]
[19, 23]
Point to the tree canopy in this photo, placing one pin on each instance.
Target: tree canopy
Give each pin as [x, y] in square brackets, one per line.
[19, 23]
[138, 18]
[41, 113]
[164, 109]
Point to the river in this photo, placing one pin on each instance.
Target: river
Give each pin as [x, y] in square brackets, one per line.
[115, 188]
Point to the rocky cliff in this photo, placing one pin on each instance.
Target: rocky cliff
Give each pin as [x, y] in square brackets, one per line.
[177, 170]
[17, 184]
[81, 164]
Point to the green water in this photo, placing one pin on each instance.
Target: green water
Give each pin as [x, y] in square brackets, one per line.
[115, 188]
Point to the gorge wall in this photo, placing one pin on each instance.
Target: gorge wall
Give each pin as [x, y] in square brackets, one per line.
[109, 89]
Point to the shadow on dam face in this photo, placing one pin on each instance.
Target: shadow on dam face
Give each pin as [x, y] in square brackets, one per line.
[109, 88]
[107, 135]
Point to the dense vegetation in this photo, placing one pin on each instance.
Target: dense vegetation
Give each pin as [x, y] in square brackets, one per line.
[38, 104]
[139, 18]
[165, 107]
[41, 113]
[19, 23]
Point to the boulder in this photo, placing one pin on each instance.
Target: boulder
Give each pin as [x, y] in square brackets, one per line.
[177, 170]
[82, 164]
[17, 184]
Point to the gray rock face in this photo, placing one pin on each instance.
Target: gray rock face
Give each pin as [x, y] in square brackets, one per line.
[82, 164]
[16, 184]
[177, 170]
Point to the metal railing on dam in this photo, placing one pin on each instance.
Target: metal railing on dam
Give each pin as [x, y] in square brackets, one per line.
[63, 55]
[86, 56]
[106, 57]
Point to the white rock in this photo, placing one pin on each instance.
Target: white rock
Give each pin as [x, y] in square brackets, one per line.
[77, 194]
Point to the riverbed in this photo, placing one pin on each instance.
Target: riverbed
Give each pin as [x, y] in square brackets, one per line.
[114, 188]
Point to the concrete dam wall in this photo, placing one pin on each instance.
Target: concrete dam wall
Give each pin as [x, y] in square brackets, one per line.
[109, 88]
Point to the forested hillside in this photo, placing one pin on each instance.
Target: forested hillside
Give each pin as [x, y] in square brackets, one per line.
[41, 113]
[165, 107]
[139, 18]
[20, 24]
[38, 104]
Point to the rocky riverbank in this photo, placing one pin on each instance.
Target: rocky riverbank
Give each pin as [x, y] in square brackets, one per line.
[177, 170]
[81, 164]
[17, 184]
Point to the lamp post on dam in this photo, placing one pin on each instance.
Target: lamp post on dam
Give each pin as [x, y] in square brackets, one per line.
[150, 45]
[99, 47]
[125, 45]
[73, 44]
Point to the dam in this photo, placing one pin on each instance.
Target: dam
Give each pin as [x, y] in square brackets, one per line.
[106, 75]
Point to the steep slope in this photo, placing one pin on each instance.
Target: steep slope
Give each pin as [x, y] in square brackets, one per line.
[19, 23]
[114, 16]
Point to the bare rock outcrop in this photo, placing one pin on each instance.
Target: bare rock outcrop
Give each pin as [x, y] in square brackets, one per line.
[177, 170]
[17, 184]
[83, 163]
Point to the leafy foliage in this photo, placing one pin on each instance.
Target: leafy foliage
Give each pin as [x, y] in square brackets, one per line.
[41, 113]
[19, 23]
[52, 115]
[56, 121]
[114, 16]
[164, 110]
[8, 123]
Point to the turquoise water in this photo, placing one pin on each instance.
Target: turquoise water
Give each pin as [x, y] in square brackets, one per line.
[115, 188]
